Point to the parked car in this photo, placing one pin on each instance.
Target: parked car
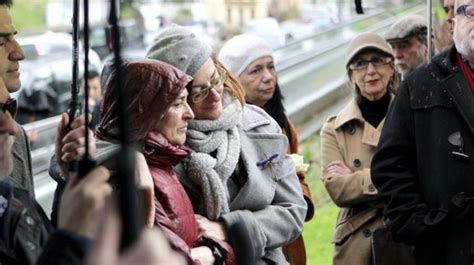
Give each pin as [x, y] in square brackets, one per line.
[43, 93]
[46, 75]
[54, 45]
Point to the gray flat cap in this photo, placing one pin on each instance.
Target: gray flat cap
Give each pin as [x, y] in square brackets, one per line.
[406, 27]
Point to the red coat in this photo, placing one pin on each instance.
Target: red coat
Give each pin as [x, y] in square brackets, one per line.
[174, 212]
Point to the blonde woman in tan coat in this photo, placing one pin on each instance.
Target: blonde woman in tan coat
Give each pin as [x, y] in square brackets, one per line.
[348, 143]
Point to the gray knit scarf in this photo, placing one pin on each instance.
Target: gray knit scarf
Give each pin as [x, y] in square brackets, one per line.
[210, 172]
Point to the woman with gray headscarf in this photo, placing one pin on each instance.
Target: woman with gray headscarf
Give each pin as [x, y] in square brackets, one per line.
[239, 176]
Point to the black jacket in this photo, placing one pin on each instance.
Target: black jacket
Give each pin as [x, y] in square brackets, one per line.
[24, 226]
[424, 174]
[27, 237]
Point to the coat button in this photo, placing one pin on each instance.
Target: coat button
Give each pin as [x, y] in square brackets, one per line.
[371, 188]
[30, 220]
[352, 130]
[30, 245]
[356, 162]
[366, 232]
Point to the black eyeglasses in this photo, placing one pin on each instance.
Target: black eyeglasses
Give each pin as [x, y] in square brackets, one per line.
[467, 10]
[9, 106]
[201, 94]
[376, 61]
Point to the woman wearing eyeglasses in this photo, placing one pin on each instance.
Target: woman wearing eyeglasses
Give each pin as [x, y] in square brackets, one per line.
[238, 176]
[348, 143]
[251, 59]
[159, 118]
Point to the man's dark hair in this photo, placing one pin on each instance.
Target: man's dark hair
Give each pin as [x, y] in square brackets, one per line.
[7, 3]
[91, 74]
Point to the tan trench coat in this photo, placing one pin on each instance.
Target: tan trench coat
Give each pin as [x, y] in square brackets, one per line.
[347, 137]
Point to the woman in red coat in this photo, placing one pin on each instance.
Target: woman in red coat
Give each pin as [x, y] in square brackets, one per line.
[159, 113]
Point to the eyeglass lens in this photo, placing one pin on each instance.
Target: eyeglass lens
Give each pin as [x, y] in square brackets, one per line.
[466, 10]
[376, 61]
[204, 92]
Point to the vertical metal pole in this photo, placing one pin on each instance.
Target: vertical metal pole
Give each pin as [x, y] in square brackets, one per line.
[74, 110]
[86, 163]
[128, 201]
[73, 107]
[429, 37]
[86, 73]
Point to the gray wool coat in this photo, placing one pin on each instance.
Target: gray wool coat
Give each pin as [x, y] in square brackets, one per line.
[268, 212]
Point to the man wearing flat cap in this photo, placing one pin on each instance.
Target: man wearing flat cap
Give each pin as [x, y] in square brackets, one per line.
[408, 38]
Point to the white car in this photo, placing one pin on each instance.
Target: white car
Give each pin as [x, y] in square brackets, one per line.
[46, 75]
[54, 45]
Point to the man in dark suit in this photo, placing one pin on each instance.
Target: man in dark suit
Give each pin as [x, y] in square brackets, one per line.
[10, 56]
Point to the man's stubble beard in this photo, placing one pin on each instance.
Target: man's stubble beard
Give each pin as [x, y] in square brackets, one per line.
[403, 68]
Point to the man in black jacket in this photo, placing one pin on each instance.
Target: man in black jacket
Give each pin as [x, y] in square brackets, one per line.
[25, 229]
[424, 168]
[10, 55]
[69, 146]
[26, 235]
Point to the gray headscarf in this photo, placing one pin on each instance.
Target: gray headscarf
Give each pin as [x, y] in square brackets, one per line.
[182, 48]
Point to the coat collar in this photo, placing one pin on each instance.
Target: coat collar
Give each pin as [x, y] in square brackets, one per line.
[463, 100]
[371, 135]
[351, 112]
[456, 85]
[447, 59]
[262, 180]
[260, 138]
[159, 152]
[254, 117]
